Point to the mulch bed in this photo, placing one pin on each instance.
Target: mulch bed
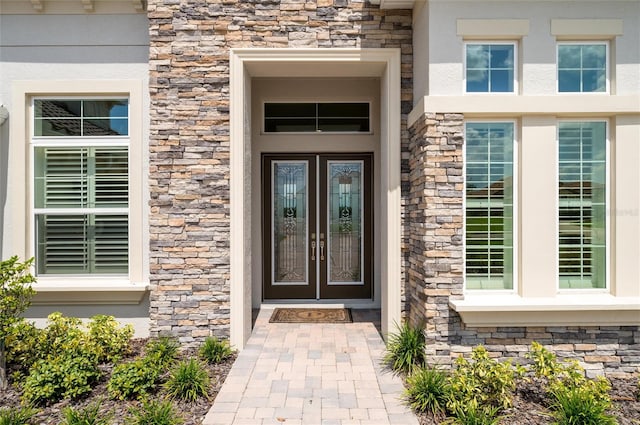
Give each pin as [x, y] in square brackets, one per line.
[529, 409]
[192, 413]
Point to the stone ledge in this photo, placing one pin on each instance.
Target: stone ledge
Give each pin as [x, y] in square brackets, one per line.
[86, 291]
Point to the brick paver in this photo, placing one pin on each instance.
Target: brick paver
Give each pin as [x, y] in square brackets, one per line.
[311, 374]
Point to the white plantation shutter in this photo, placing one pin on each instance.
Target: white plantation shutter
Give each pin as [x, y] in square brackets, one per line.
[81, 205]
[489, 205]
[582, 204]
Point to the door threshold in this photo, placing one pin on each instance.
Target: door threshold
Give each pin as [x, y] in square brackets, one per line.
[355, 304]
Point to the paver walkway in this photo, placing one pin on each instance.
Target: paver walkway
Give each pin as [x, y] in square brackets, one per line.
[311, 374]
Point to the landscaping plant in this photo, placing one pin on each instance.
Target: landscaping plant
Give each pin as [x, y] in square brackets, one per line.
[16, 415]
[133, 379]
[154, 413]
[482, 382]
[188, 381]
[427, 390]
[89, 415]
[109, 341]
[405, 349]
[15, 297]
[214, 351]
[162, 351]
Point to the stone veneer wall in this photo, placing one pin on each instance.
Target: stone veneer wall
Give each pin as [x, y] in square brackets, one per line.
[189, 137]
[435, 219]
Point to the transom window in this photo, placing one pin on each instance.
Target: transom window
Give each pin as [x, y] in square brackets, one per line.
[489, 201]
[80, 150]
[582, 68]
[332, 117]
[582, 205]
[490, 68]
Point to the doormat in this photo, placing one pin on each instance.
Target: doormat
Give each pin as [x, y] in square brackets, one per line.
[311, 315]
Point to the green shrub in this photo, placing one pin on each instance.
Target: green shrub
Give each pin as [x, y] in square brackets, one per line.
[108, 340]
[583, 404]
[162, 351]
[65, 376]
[154, 413]
[473, 414]
[133, 379]
[214, 351]
[63, 336]
[427, 390]
[405, 349]
[16, 415]
[188, 381]
[24, 344]
[483, 381]
[89, 415]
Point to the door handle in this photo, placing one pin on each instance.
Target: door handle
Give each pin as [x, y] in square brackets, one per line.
[321, 250]
[313, 250]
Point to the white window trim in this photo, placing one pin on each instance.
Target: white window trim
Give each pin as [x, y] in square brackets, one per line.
[516, 66]
[607, 45]
[608, 208]
[21, 182]
[516, 216]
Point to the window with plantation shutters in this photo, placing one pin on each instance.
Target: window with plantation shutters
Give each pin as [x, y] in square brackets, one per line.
[489, 204]
[81, 186]
[582, 206]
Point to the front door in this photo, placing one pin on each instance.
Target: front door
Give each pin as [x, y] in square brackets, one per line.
[317, 228]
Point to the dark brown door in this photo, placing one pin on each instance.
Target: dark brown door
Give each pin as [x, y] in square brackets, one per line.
[317, 226]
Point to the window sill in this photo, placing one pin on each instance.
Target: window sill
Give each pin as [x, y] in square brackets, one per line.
[88, 291]
[563, 310]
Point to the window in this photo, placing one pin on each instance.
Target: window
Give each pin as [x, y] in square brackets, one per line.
[345, 117]
[582, 192]
[490, 68]
[489, 201]
[80, 150]
[582, 68]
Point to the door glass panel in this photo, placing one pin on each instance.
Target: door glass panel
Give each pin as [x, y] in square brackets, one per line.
[345, 222]
[290, 222]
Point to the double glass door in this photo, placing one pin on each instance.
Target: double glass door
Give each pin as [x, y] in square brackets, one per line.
[317, 226]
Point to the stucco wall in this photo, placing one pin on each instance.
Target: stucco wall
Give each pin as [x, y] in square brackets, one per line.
[44, 48]
[537, 49]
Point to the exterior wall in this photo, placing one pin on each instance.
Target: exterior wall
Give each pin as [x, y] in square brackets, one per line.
[599, 328]
[40, 50]
[189, 152]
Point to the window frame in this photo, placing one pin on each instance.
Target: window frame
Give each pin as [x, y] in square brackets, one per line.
[78, 141]
[607, 65]
[608, 208]
[516, 216]
[516, 67]
[263, 118]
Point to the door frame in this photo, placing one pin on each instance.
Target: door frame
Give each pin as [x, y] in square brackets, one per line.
[246, 63]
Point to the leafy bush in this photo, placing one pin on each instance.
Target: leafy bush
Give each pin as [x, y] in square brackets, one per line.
[188, 381]
[427, 390]
[215, 351]
[482, 381]
[163, 351]
[16, 415]
[405, 349]
[133, 379]
[24, 344]
[154, 413]
[62, 336]
[108, 340]
[89, 415]
[65, 376]
[584, 404]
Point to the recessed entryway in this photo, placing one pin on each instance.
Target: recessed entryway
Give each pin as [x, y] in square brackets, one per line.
[379, 65]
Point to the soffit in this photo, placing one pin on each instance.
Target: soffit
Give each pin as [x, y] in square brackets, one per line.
[71, 7]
